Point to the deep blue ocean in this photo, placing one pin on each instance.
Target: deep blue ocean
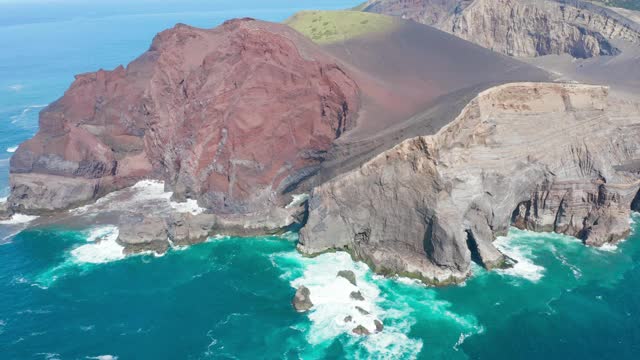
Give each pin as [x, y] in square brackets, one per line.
[62, 296]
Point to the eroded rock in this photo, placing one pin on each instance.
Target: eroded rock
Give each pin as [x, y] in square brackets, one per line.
[542, 156]
[349, 275]
[140, 234]
[356, 295]
[379, 325]
[361, 330]
[362, 311]
[302, 299]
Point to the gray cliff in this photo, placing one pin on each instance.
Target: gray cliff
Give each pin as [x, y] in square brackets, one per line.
[540, 156]
[522, 27]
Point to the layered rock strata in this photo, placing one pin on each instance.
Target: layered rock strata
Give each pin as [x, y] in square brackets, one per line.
[521, 27]
[230, 116]
[142, 233]
[540, 156]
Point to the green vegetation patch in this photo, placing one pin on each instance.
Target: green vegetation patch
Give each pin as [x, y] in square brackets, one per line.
[326, 27]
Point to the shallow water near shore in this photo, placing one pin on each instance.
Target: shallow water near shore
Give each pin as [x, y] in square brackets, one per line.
[231, 298]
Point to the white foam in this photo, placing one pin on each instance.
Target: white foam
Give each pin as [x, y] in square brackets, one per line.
[50, 356]
[524, 268]
[18, 219]
[297, 200]
[189, 206]
[331, 299]
[150, 190]
[25, 111]
[102, 247]
[145, 193]
[12, 149]
[608, 247]
[563, 259]
[102, 357]
[4, 199]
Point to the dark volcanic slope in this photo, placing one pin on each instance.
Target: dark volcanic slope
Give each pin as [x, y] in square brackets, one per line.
[414, 80]
[402, 71]
[229, 116]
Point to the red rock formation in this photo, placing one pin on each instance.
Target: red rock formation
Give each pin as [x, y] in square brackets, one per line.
[230, 116]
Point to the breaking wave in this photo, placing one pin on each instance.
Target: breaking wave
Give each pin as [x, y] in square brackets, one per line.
[17, 118]
[17, 219]
[102, 247]
[397, 302]
[514, 247]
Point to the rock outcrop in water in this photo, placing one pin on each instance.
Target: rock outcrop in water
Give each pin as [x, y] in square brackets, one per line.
[540, 156]
[302, 299]
[521, 27]
[230, 116]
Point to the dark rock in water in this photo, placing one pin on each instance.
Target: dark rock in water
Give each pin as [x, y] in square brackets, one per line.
[5, 211]
[356, 295]
[302, 300]
[361, 330]
[379, 326]
[143, 234]
[348, 318]
[349, 275]
[188, 229]
[362, 311]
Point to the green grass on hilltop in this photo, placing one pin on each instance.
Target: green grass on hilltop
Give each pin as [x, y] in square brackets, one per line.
[326, 27]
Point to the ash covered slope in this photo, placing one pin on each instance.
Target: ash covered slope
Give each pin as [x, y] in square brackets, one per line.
[521, 27]
[413, 79]
[542, 156]
[230, 116]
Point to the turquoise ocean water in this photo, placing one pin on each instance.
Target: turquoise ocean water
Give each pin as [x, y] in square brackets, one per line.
[230, 298]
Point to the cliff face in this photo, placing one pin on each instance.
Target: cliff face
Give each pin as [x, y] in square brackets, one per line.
[229, 116]
[521, 27]
[540, 156]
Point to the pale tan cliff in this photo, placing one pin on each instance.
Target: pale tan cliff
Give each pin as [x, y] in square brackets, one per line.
[541, 156]
[522, 27]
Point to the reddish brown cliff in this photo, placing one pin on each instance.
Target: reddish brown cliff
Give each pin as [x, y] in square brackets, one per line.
[230, 116]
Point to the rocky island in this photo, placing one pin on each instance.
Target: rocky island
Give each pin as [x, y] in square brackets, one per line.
[417, 148]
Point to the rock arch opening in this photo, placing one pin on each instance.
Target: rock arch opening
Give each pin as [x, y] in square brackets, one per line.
[635, 204]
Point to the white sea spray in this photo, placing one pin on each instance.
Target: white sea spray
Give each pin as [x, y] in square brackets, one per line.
[17, 219]
[524, 267]
[102, 247]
